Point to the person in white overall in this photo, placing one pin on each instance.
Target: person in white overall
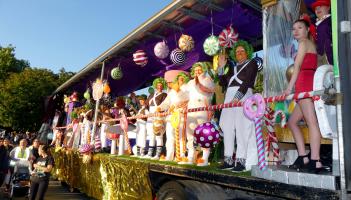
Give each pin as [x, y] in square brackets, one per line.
[200, 89]
[141, 127]
[154, 100]
[177, 98]
[238, 82]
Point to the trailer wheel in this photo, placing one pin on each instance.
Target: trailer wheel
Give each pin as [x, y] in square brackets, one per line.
[171, 190]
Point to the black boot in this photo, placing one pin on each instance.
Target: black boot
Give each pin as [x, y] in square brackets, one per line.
[158, 153]
[150, 152]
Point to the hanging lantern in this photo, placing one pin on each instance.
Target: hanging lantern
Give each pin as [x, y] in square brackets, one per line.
[107, 88]
[228, 37]
[116, 73]
[98, 89]
[178, 57]
[161, 50]
[211, 45]
[140, 58]
[186, 43]
[86, 95]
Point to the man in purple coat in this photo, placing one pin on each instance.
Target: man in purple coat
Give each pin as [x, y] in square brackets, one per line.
[324, 31]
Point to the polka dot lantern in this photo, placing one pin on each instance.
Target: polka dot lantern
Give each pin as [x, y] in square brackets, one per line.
[228, 37]
[161, 50]
[211, 45]
[186, 43]
[116, 73]
[206, 135]
[140, 58]
[178, 57]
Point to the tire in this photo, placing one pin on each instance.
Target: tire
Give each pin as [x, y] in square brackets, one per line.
[171, 190]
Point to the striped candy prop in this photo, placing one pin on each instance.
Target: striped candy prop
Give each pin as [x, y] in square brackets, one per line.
[178, 57]
[211, 45]
[175, 120]
[140, 58]
[228, 37]
[282, 118]
[256, 116]
[186, 43]
[272, 140]
[97, 143]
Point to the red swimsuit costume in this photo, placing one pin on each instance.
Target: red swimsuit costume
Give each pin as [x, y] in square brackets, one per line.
[304, 82]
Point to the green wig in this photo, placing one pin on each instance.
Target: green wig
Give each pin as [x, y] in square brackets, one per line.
[184, 75]
[241, 43]
[142, 97]
[204, 65]
[159, 80]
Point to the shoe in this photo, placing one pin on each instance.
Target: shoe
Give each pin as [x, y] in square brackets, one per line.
[312, 167]
[228, 164]
[299, 163]
[201, 162]
[186, 161]
[238, 167]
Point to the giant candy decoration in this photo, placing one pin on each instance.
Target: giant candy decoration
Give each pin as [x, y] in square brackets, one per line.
[228, 37]
[161, 50]
[116, 73]
[178, 57]
[211, 45]
[206, 135]
[140, 58]
[186, 43]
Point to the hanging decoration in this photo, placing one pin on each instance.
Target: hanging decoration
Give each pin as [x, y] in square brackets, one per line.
[116, 73]
[178, 57]
[86, 94]
[211, 45]
[161, 50]
[228, 37]
[186, 43]
[140, 58]
[107, 88]
[98, 89]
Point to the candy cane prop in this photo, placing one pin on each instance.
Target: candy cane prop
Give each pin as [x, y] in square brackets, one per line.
[282, 118]
[271, 140]
[256, 116]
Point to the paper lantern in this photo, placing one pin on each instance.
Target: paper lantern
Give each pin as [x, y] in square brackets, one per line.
[98, 89]
[211, 45]
[140, 58]
[161, 50]
[206, 135]
[107, 88]
[86, 95]
[178, 57]
[228, 37]
[116, 73]
[186, 43]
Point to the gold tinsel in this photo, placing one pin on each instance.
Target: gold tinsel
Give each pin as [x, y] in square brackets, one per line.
[106, 177]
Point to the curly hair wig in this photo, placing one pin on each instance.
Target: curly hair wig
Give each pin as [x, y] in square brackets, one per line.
[241, 43]
[159, 80]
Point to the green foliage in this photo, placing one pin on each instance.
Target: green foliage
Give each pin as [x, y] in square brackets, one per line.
[23, 91]
[9, 64]
[258, 88]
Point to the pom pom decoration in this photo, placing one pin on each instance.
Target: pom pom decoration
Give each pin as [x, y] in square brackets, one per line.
[228, 37]
[140, 58]
[206, 135]
[98, 89]
[116, 73]
[161, 50]
[178, 57]
[211, 45]
[186, 43]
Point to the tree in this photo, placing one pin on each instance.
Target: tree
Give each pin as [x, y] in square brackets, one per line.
[22, 98]
[9, 64]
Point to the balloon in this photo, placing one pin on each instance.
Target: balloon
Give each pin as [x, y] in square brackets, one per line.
[86, 95]
[211, 45]
[186, 43]
[206, 135]
[107, 88]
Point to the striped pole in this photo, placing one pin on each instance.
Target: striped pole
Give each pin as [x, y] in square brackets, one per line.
[260, 146]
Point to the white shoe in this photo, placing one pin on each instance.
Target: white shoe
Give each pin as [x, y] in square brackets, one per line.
[155, 158]
[186, 161]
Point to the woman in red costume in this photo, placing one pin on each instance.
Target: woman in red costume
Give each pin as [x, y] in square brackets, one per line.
[305, 66]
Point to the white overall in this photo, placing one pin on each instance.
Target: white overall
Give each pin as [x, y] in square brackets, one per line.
[154, 140]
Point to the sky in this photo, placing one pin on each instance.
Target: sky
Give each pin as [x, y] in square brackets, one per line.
[53, 34]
